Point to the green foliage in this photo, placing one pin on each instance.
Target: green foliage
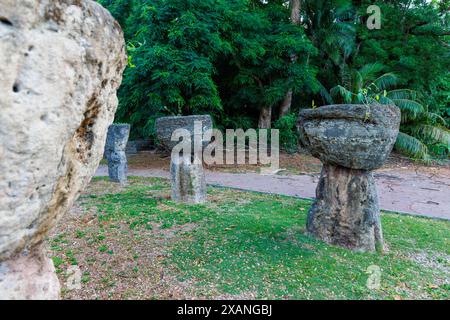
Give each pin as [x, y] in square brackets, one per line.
[411, 43]
[420, 128]
[231, 58]
[288, 132]
[240, 244]
[226, 58]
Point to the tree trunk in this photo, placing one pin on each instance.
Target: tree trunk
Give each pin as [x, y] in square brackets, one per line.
[346, 210]
[295, 19]
[265, 118]
[286, 104]
[295, 11]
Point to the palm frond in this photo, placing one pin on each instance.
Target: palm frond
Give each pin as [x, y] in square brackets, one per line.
[369, 71]
[343, 93]
[325, 94]
[358, 81]
[434, 118]
[385, 100]
[411, 147]
[402, 94]
[410, 109]
[432, 134]
[386, 81]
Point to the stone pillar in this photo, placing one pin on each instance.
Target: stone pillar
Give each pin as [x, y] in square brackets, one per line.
[61, 63]
[116, 143]
[186, 170]
[188, 180]
[351, 141]
[346, 210]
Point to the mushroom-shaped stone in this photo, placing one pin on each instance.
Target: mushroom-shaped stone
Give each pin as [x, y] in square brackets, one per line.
[61, 62]
[187, 174]
[350, 140]
[116, 144]
[351, 136]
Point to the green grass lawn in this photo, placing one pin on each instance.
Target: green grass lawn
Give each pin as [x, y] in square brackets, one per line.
[135, 243]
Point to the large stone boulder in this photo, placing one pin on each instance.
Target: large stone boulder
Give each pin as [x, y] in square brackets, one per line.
[350, 140]
[61, 62]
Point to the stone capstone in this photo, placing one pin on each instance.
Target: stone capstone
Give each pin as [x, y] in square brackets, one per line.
[61, 63]
[351, 136]
[165, 126]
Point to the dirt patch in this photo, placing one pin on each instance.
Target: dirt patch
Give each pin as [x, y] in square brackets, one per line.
[431, 260]
[115, 261]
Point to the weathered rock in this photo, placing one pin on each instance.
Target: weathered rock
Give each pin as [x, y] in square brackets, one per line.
[351, 136]
[351, 140]
[346, 210]
[29, 276]
[165, 126]
[187, 175]
[61, 62]
[188, 180]
[116, 143]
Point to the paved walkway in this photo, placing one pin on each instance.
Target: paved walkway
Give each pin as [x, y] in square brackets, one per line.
[412, 193]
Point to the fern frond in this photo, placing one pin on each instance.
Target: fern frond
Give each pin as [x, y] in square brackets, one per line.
[435, 118]
[325, 94]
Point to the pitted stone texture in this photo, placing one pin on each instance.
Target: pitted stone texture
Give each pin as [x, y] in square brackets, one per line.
[187, 180]
[165, 126]
[350, 140]
[61, 62]
[346, 210]
[29, 276]
[351, 136]
[116, 144]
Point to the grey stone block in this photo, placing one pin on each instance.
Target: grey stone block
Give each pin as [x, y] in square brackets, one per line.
[165, 126]
[188, 181]
[116, 142]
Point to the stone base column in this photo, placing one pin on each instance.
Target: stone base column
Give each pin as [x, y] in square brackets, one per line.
[188, 180]
[117, 167]
[346, 210]
[116, 143]
[29, 276]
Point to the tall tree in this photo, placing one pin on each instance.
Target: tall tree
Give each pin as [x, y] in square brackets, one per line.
[295, 7]
[223, 57]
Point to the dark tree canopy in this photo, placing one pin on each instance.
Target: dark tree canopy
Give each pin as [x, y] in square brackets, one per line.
[238, 60]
